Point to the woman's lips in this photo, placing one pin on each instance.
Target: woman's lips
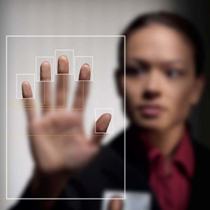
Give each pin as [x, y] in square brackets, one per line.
[150, 111]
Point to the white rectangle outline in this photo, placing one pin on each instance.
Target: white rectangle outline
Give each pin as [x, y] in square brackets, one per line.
[52, 68]
[92, 70]
[64, 50]
[34, 85]
[124, 101]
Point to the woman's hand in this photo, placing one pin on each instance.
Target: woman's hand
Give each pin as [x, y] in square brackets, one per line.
[58, 142]
[115, 204]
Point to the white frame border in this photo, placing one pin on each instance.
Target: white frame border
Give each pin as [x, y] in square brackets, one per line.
[124, 101]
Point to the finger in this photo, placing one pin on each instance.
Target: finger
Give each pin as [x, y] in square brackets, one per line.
[62, 82]
[115, 205]
[28, 100]
[101, 127]
[82, 88]
[45, 77]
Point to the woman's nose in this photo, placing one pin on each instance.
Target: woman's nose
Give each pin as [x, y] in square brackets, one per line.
[152, 86]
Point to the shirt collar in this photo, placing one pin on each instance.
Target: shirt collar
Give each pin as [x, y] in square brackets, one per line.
[183, 157]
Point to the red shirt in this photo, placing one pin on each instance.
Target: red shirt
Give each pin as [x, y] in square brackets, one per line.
[170, 180]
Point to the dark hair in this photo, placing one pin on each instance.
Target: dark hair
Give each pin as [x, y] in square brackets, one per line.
[174, 21]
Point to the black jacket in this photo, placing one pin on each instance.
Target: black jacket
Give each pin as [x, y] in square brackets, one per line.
[106, 172]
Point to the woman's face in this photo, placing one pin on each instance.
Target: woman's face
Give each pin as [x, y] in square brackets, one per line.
[161, 86]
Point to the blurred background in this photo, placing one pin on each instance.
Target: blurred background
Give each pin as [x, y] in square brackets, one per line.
[71, 17]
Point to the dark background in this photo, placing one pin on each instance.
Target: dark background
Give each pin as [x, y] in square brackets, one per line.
[199, 13]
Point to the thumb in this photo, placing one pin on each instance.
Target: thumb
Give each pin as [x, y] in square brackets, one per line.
[115, 205]
[101, 127]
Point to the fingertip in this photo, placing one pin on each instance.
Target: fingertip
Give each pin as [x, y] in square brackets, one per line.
[85, 72]
[63, 57]
[45, 71]
[86, 65]
[25, 83]
[45, 64]
[63, 64]
[103, 122]
[115, 204]
[26, 90]
[107, 118]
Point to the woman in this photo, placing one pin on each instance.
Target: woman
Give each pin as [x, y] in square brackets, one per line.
[164, 80]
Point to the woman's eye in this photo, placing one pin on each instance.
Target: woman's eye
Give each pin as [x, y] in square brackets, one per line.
[134, 71]
[173, 73]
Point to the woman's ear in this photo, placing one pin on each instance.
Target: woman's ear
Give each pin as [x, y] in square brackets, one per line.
[119, 77]
[198, 89]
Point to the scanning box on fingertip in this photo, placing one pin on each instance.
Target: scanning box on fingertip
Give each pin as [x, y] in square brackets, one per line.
[20, 78]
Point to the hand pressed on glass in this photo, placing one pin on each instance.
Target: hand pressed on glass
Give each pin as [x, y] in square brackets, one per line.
[58, 141]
